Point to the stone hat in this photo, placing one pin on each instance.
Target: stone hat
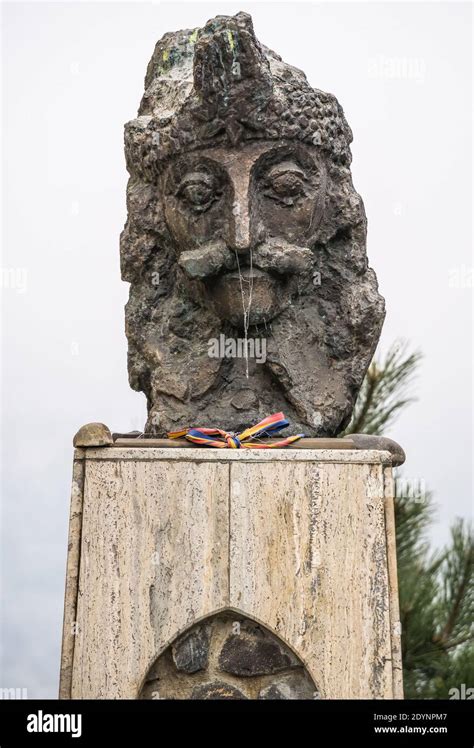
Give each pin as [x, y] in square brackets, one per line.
[218, 85]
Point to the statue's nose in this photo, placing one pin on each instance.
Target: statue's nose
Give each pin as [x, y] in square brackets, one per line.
[239, 238]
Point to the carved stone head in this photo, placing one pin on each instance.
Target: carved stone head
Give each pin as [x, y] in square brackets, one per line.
[245, 241]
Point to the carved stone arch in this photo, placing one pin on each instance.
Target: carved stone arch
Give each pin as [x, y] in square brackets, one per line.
[228, 655]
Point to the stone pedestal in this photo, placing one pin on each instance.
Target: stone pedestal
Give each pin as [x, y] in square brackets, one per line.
[279, 562]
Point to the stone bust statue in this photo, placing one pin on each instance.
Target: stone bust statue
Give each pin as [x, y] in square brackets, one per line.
[245, 243]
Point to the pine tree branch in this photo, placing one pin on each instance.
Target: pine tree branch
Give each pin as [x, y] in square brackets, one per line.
[383, 392]
[371, 379]
[458, 600]
[463, 640]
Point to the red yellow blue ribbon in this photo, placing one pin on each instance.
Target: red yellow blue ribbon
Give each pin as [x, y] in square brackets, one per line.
[230, 440]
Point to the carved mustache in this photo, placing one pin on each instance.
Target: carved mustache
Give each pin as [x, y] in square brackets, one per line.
[275, 255]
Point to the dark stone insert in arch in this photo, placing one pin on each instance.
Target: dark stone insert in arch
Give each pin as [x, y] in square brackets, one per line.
[228, 656]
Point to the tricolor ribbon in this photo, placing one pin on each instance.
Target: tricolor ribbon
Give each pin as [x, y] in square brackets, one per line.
[228, 439]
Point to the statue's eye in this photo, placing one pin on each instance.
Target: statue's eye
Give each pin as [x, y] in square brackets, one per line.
[198, 191]
[288, 184]
[285, 185]
[197, 194]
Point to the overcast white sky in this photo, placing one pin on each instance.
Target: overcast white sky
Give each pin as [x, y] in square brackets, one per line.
[72, 75]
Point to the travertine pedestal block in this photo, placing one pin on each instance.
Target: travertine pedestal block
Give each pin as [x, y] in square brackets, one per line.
[298, 544]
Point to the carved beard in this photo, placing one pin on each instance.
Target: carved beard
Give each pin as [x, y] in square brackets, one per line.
[303, 365]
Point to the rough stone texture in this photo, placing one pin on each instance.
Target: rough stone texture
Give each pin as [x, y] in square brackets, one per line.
[242, 679]
[300, 541]
[217, 690]
[247, 654]
[93, 435]
[191, 651]
[243, 221]
[288, 687]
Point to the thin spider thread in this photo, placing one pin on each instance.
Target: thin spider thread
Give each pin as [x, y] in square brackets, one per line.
[246, 311]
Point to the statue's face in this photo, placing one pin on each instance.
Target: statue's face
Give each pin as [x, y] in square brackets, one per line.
[254, 207]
